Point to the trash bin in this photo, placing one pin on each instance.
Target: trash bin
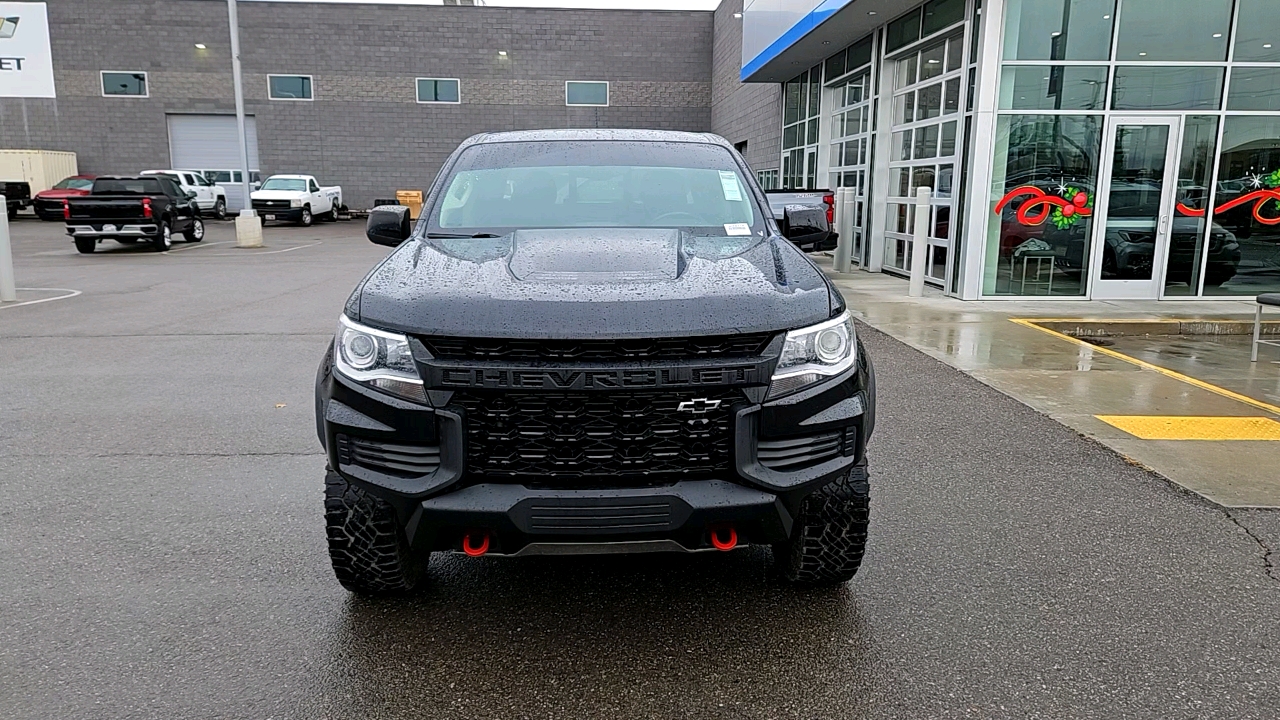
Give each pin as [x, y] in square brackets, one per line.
[411, 199]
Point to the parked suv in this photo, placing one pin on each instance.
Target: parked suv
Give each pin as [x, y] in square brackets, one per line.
[593, 342]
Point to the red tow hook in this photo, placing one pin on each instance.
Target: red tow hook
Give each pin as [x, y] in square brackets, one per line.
[470, 547]
[724, 538]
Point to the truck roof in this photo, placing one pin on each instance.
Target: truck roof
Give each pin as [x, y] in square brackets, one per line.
[293, 177]
[616, 135]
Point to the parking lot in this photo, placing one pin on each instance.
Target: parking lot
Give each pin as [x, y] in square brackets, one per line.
[164, 551]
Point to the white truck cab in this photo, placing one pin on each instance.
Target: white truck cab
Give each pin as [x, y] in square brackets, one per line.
[211, 198]
[296, 198]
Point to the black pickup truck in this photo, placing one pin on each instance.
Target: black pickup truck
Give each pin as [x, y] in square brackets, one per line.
[128, 209]
[594, 341]
[806, 217]
[17, 195]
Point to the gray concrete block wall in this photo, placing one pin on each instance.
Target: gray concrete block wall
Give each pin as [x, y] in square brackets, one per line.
[365, 129]
[750, 112]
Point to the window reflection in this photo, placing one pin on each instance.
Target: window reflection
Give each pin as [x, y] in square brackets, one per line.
[1045, 177]
[1186, 247]
[1248, 204]
[1058, 29]
[1174, 30]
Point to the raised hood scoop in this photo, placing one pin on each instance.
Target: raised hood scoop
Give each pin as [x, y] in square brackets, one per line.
[596, 256]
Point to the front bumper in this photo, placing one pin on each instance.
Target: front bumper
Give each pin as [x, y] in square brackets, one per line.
[524, 521]
[96, 230]
[437, 502]
[279, 214]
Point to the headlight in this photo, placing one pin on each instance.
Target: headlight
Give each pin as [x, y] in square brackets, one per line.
[295, 202]
[814, 354]
[377, 358]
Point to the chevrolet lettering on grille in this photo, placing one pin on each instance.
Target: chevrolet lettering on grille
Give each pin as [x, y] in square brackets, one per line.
[458, 377]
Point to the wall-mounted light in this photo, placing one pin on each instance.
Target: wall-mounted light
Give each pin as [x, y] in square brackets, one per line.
[738, 15]
[502, 53]
[201, 46]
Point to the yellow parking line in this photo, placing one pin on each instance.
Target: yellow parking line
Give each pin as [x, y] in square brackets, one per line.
[1031, 323]
[1159, 427]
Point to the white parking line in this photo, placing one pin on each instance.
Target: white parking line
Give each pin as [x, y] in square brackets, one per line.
[70, 294]
[269, 252]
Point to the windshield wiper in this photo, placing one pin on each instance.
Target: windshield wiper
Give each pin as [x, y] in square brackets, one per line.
[438, 236]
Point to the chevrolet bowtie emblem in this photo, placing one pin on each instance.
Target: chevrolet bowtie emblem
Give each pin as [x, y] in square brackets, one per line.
[699, 406]
[8, 26]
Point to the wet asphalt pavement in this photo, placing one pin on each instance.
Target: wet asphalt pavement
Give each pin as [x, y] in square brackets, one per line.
[162, 548]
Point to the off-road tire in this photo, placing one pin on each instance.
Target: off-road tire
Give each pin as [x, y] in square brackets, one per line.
[86, 245]
[829, 535]
[369, 551]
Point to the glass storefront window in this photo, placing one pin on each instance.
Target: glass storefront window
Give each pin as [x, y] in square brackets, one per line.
[1044, 179]
[1174, 30]
[1145, 87]
[1247, 209]
[1043, 87]
[1255, 88]
[1058, 29]
[1182, 277]
[1258, 32]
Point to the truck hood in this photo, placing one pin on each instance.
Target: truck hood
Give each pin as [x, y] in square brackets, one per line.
[276, 194]
[60, 194]
[593, 284]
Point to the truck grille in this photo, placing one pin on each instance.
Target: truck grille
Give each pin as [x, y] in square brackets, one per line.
[683, 348]
[270, 204]
[563, 438]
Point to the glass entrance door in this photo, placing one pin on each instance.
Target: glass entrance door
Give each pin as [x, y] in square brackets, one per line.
[1134, 208]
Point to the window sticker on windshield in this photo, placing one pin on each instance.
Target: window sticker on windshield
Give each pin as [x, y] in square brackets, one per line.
[737, 228]
[729, 183]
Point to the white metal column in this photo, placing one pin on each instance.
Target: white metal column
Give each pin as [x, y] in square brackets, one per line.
[978, 197]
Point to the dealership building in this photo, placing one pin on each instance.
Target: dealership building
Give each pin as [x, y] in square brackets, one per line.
[1101, 149]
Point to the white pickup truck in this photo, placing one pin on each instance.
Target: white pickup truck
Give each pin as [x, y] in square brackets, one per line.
[296, 198]
[210, 197]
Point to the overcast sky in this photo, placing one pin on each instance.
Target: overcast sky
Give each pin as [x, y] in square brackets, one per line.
[608, 4]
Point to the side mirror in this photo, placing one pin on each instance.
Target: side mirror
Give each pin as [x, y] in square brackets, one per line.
[191, 195]
[388, 225]
[804, 224]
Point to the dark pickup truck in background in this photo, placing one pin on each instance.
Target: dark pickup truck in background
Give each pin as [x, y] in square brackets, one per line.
[128, 209]
[806, 217]
[17, 195]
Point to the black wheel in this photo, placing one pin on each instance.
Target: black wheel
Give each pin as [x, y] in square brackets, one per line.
[829, 535]
[163, 239]
[86, 245]
[305, 219]
[368, 549]
[13, 212]
[195, 233]
[220, 209]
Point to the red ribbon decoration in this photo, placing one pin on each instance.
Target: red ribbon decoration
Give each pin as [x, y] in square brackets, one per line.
[1259, 198]
[1039, 199]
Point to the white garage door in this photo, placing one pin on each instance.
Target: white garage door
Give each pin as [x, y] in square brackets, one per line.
[208, 144]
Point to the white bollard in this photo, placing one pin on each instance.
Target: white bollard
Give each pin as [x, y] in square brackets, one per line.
[248, 229]
[920, 242]
[8, 289]
[850, 222]
[843, 244]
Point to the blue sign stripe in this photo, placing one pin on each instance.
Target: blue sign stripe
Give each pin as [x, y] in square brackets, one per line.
[804, 26]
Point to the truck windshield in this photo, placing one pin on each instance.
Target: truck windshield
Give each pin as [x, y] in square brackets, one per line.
[285, 184]
[73, 183]
[127, 186]
[564, 184]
